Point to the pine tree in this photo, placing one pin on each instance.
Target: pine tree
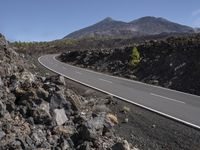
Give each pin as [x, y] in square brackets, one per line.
[135, 57]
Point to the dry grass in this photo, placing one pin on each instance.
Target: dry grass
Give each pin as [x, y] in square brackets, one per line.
[125, 109]
[112, 118]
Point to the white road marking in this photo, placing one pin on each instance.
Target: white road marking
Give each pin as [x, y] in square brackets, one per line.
[78, 72]
[167, 98]
[105, 80]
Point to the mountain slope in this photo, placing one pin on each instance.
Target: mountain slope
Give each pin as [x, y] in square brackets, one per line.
[153, 25]
[140, 27]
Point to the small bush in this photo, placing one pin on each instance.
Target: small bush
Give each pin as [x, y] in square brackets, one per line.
[112, 118]
[135, 57]
[125, 109]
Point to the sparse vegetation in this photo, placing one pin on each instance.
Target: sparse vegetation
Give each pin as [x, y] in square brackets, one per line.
[112, 118]
[135, 57]
[125, 109]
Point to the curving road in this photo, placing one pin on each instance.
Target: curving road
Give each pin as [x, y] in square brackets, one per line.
[176, 105]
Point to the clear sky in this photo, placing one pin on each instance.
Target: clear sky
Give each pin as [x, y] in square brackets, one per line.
[45, 20]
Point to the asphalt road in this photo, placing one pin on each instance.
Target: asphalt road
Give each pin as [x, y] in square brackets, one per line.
[176, 105]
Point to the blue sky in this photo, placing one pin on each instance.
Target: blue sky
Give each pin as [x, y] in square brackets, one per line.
[45, 20]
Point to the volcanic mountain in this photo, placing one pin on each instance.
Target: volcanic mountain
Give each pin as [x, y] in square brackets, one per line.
[140, 27]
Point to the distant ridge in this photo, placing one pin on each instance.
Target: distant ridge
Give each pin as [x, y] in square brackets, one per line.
[148, 25]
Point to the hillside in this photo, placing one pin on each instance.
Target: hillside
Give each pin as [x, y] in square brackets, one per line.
[140, 27]
[172, 62]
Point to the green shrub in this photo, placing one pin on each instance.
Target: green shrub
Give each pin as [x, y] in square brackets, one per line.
[135, 57]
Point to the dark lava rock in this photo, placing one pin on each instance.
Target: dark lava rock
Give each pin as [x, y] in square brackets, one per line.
[93, 128]
[2, 109]
[2, 134]
[58, 80]
[121, 146]
[57, 100]
[42, 113]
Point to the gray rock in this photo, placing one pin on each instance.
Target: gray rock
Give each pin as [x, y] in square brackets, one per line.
[2, 40]
[1, 82]
[29, 142]
[133, 77]
[51, 139]
[38, 136]
[2, 109]
[23, 143]
[61, 80]
[85, 146]
[60, 116]
[41, 114]
[45, 145]
[41, 93]
[2, 134]
[57, 100]
[100, 109]
[65, 145]
[93, 128]
[124, 145]
[27, 77]
[16, 145]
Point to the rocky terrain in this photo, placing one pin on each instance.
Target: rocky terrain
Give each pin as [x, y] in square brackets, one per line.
[173, 62]
[140, 27]
[39, 112]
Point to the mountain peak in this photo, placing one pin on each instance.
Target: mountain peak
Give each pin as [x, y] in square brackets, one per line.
[149, 18]
[107, 19]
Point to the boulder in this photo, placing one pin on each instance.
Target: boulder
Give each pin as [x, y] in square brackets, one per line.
[124, 145]
[27, 77]
[65, 145]
[41, 114]
[41, 93]
[60, 116]
[38, 136]
[59, 80]
[93, 128]
[57, 100]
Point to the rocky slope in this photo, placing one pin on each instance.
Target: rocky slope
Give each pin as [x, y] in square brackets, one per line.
[42, 113]
[140, 27]
[172, 63]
